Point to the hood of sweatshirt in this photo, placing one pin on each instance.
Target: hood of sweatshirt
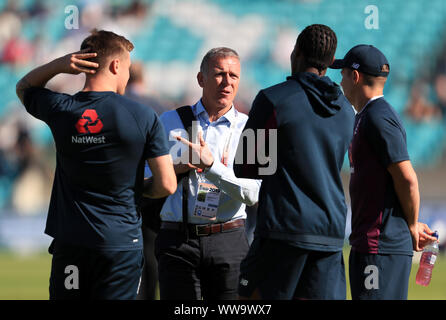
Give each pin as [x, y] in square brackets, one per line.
[327, 94]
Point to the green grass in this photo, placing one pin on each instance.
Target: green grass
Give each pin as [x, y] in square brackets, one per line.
[26, 278]
[436, 289]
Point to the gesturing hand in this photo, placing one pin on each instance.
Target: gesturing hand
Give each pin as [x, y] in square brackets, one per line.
[199, 152]
[75, 63]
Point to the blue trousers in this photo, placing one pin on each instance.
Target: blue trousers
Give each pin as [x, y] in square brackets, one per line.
[87, 274]
[379, 276]
[274, 269]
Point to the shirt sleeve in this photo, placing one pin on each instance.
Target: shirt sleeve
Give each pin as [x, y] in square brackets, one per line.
[261, 116]
[243, 190]
[42, 103]
[157, 144]
[387, 137]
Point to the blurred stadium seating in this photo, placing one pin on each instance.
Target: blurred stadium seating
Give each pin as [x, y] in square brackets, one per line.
[171, 36]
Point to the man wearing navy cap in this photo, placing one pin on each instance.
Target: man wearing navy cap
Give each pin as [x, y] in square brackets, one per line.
[383, 186]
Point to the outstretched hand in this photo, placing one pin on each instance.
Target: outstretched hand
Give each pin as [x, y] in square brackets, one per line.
[200, 155]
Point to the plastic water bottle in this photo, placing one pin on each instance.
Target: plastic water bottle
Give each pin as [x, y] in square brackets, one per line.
[427, 261]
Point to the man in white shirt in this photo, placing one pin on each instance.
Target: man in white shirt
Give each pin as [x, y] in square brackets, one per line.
[203, 260]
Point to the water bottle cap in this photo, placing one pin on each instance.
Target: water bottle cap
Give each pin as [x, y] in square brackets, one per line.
[435, 234]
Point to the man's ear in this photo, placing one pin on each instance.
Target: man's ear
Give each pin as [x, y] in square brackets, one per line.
[200, 79]
[114, 66]
[355, 76]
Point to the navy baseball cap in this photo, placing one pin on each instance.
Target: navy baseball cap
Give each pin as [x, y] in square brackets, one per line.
[364, 58]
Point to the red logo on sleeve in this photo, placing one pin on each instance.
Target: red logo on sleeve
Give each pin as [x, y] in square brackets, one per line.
[89, 122]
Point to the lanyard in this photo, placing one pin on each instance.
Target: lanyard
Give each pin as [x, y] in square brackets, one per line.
[225, 154]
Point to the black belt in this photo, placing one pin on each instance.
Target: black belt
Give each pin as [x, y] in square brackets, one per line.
[204, 229]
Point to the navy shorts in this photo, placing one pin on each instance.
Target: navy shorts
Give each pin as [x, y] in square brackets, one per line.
[84, 273]
[379, 276]
[276, 270]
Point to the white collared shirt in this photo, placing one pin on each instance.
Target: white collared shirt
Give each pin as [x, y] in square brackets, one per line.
[236, 192]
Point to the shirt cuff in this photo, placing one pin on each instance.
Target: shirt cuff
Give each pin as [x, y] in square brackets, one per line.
[215, 171]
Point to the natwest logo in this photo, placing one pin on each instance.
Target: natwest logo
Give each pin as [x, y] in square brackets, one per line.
[89, 122]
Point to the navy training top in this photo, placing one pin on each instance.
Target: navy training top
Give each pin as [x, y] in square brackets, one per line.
[102, 141]
[302, 202]
[378, 222]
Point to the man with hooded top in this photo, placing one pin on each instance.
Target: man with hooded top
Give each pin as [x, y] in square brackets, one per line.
[297, 247]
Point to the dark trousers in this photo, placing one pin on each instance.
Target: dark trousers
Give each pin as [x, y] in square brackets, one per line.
[149, 277]
[379, 276]
[274, 269]
[251, 221]
[203, 267]
[84, 273]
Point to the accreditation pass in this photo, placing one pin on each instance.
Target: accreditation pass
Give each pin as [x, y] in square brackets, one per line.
[208, 198]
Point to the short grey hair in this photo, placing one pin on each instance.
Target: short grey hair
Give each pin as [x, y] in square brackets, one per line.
[220, 52]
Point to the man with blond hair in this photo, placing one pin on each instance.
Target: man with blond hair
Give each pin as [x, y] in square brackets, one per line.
[102, 141]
